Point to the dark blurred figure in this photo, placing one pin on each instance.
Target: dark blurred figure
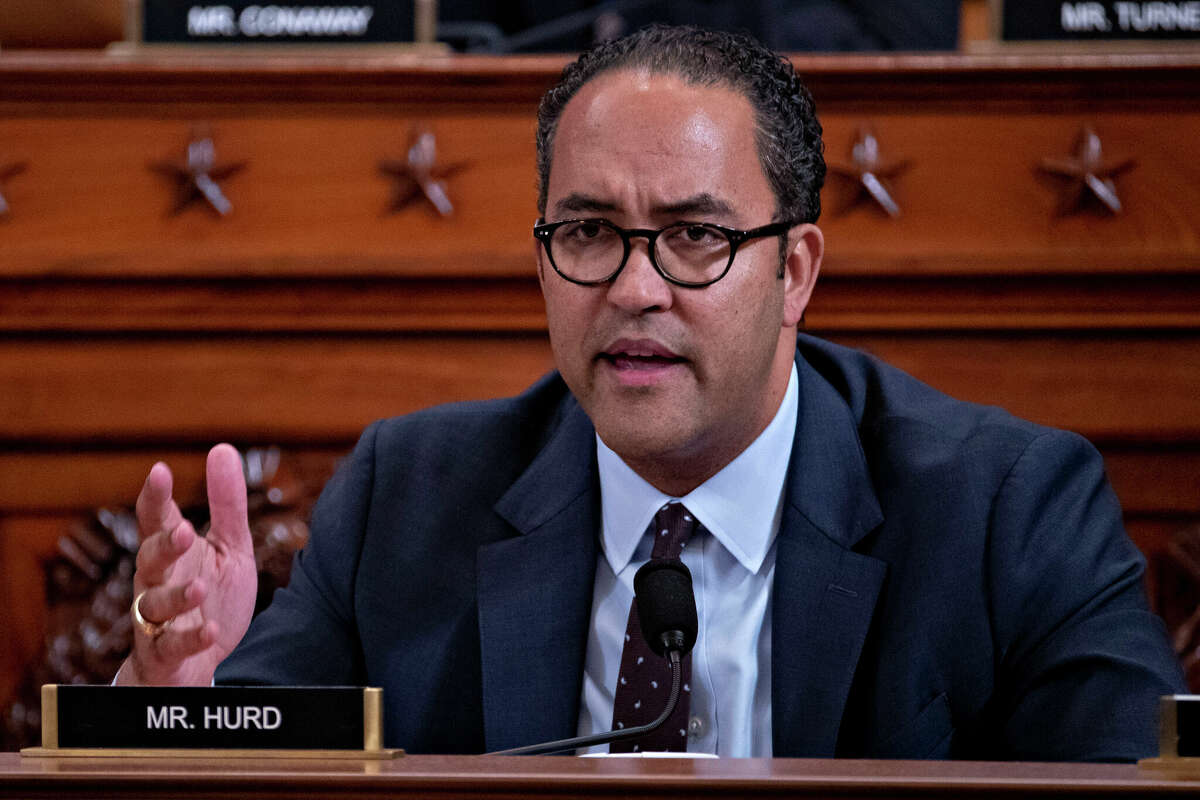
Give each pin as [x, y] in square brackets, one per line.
[792, 25]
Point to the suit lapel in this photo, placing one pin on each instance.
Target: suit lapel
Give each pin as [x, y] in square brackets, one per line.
[535, 592]
[825, 593]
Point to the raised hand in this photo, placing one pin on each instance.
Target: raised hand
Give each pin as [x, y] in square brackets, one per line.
[194, 594]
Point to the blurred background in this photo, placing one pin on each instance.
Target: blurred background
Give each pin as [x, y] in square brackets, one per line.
[569, 25]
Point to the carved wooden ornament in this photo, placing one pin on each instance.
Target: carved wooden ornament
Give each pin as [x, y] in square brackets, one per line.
[871, 173]
[197, 180]
[1087, 174]
[419, 174]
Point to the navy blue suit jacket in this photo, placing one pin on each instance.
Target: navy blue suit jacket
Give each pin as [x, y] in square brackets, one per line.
[950, 581]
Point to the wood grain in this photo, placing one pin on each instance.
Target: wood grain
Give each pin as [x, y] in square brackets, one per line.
[296, 389]
[282, 389]
[842, 304]
[554, 777]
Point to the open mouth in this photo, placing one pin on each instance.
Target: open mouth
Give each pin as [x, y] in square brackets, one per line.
[630, 356]
[640, 362]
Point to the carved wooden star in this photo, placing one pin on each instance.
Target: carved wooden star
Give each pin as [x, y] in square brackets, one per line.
[197, 179]
[1087, 174]
[871, 173]
[6, 172]
[419, 174]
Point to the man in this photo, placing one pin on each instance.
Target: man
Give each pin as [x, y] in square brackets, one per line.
[880, 570]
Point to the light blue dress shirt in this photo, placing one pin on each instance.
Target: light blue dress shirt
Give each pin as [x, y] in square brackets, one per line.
[733, 570]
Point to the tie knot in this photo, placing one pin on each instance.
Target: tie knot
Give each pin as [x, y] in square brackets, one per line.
[673, 525]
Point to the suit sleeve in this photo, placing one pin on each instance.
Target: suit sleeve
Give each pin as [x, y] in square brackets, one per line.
[307, 635]
[1081, 659]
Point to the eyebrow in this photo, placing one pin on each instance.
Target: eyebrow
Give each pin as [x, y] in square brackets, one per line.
[581, 204]
[703, 203]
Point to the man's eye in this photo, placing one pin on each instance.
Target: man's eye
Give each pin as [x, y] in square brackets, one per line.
[695, 235]
[583, 231]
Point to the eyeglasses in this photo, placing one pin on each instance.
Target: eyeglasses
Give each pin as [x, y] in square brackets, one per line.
[693, 254]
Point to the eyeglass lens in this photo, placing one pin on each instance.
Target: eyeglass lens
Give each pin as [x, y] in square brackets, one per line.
[592, 251]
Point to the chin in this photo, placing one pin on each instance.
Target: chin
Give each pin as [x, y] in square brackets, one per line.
[638, 438]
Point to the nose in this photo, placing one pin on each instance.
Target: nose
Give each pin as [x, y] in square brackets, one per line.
[639, 287]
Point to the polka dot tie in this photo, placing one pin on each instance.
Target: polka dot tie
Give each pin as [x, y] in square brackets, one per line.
[644, 683]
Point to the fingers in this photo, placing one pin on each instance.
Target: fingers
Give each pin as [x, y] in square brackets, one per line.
[156, 508]
[227, 499]
[162, 661]
[160, 551]
[166, 651]
[165, 603]
[176, 644]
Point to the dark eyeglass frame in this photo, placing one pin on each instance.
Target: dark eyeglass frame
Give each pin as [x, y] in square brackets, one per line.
[543, 231]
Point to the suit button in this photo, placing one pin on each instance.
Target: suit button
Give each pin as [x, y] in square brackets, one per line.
[695, 727]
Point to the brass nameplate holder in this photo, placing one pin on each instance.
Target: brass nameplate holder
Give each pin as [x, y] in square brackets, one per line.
[218, 721]
[1178, 736]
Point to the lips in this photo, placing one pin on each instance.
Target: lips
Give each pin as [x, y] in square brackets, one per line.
[640, 355]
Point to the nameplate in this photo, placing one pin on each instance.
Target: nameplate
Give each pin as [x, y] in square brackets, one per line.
[317, 22]
[1099, 20]
[1179, 726]
[274, 718]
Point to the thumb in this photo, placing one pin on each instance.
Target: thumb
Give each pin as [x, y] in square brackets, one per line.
[227, 498]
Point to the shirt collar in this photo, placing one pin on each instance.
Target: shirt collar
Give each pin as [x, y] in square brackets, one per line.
[741, 505]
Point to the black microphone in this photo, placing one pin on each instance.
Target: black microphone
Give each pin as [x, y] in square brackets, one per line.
[667, 612]
[666, 606]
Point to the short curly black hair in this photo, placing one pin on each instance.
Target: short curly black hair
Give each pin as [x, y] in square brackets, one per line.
[788, 135]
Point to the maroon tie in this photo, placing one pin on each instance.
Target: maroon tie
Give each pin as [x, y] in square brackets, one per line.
[644, 682]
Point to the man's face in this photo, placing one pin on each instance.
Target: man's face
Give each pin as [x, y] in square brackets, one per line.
[676, 380]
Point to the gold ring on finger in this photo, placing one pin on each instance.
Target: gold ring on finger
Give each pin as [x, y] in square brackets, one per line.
[151, 629]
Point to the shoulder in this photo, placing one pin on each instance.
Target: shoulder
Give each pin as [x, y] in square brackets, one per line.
[921, 443]
[532, 414]
[491, 439]
[908, 424]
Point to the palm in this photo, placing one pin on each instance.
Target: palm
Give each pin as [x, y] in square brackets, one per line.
[226, 571]
[204, 585]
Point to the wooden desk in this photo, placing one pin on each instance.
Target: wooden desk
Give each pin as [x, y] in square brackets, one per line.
[551, 777]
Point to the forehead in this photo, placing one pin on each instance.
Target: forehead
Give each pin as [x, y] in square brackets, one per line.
[638, 140]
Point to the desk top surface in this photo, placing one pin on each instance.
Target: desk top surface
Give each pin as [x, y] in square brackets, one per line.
[549, 776]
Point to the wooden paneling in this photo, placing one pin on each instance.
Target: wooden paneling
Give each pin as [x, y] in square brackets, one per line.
[293, 389]
[39, 481]
[842, 303]
[129, 335]
[1110, 388]
[331, 220]
[26, 544]
[63, 23]
[973, 202]
[301, 388]
[376, 305]
[1037, 303]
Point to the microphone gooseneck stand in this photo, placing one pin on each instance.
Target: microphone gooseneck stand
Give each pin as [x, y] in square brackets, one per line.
[607, 737]
[666, 608]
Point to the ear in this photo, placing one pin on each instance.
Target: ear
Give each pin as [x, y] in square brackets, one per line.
[800, 270]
